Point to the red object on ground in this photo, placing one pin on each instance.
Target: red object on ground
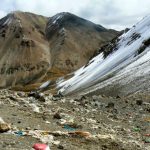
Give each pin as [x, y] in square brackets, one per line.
[146, 134]
[39, 146]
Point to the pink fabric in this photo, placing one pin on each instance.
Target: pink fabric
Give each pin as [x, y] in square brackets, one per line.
[39, 146]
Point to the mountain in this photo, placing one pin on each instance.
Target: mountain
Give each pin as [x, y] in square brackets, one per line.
[120, 68]
[73, 40]
[24, 51]
[35, 48]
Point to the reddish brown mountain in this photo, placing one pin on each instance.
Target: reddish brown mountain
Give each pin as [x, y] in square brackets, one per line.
[34, 48]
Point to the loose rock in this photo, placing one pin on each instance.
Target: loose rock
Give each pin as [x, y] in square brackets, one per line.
[4, 127]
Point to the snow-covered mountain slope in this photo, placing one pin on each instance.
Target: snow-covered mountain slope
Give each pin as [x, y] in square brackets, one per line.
[127, 60]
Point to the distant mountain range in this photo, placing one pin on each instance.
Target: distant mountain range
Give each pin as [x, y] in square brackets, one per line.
[34, 49]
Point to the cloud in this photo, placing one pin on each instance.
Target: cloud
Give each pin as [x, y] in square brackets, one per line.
[117, 14]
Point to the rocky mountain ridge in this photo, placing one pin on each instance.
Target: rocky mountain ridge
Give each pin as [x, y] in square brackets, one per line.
[28, 54]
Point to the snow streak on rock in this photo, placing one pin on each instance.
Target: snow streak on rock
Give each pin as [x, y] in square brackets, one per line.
[132, 49]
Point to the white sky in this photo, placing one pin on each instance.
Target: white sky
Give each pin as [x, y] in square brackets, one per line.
[116, 14]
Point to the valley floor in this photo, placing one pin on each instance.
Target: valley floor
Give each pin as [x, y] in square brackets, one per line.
[75, 123]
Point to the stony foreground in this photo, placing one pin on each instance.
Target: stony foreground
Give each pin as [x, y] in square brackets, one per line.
[74, 123]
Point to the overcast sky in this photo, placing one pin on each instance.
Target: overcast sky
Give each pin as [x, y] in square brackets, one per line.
[116, 14]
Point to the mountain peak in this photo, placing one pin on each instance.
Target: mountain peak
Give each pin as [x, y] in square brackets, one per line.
[16, 12]
[63, 14]
[21, 14]
[11, 17]
[68, 20]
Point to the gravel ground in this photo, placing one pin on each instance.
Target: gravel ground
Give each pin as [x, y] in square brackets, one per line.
[75, 123]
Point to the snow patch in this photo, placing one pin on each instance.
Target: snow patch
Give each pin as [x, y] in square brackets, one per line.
[8, 21]
[45, 84]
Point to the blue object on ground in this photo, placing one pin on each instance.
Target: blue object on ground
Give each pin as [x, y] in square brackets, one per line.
[67, 127]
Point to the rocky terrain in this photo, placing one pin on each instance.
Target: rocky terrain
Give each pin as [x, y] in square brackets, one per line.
[35, 48]
[80, 122]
